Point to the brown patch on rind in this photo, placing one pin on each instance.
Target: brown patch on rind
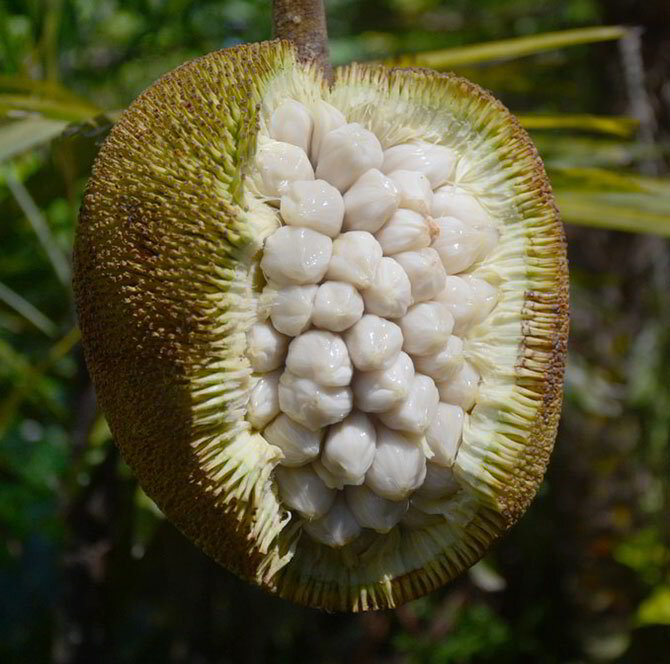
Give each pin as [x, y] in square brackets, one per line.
[543, 351]
[531, 467]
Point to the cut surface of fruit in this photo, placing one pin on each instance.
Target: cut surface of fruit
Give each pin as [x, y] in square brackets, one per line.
[327, 325]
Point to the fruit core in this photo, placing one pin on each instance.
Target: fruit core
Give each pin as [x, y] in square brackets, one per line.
[371, 283]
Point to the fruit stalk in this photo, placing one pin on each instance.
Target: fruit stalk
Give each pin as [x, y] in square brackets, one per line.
[304, 23]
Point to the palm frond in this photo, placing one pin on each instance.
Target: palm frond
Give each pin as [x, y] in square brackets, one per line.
[506, 48]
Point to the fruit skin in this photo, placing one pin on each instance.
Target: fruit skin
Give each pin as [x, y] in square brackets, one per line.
[545, 345]
[162, 222]
[157, 230]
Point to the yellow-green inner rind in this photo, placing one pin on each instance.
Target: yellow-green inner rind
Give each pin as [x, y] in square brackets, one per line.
[167, 235]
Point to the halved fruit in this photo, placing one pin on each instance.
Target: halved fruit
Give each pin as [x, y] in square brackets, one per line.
[327, 325]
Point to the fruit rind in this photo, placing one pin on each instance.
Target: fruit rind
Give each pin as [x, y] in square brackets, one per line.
[163, 229]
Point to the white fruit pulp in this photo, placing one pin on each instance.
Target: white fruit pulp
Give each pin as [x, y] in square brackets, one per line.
[360, 348]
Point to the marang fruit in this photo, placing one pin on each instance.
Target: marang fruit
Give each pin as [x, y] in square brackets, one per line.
[394, 240]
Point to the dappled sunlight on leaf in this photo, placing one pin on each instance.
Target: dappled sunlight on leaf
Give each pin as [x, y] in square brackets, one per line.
[617, 126]
[506, 48]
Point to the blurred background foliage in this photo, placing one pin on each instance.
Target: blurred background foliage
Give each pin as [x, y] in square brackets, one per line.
[90, 572]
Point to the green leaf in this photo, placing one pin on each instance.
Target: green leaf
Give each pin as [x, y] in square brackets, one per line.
[31, 376]
[27, 310]
[507, 48]
[38, 87]
[655, 609]
[612, 200]
[26, 134]
[39, 224]
[631, 212]
[615, 125]
[58, 109]
[563, 150]
[606, 180]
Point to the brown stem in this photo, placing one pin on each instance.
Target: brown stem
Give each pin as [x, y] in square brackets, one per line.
[304, 23]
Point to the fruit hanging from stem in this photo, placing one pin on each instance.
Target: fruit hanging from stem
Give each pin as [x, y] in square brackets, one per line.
[327, 323]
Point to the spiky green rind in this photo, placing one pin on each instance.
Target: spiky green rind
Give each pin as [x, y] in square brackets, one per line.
[164, 268]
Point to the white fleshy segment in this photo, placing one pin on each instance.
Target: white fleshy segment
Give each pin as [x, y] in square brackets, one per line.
[263, 404]
[298, 444]
[313, 204]
[458, 244]
[461, 390]
[381, 390]
[485, 298]
[291, 308]
[425, 271]
[406, 230]
[355, 257]
[488, 239]
[377, 391]
[453, 201]
[390, 292]
[417, 410]
[349, 448]
[302, 490]
[346, 153]
[292, 123]
[445, 363]
[326, 118]
[337, 528]
[438, 483]
[295, 256]
[444, 433]
[425, 328]
[337, 306]
[415, 191]
[459, 298]
[278, 164]
[311, 404]
[415, 519]
[399, 466]
[321, 356]
[330, 480]
[373, 511]
[370, 202]
[436, 162]
[266, 347]
[373, 343]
